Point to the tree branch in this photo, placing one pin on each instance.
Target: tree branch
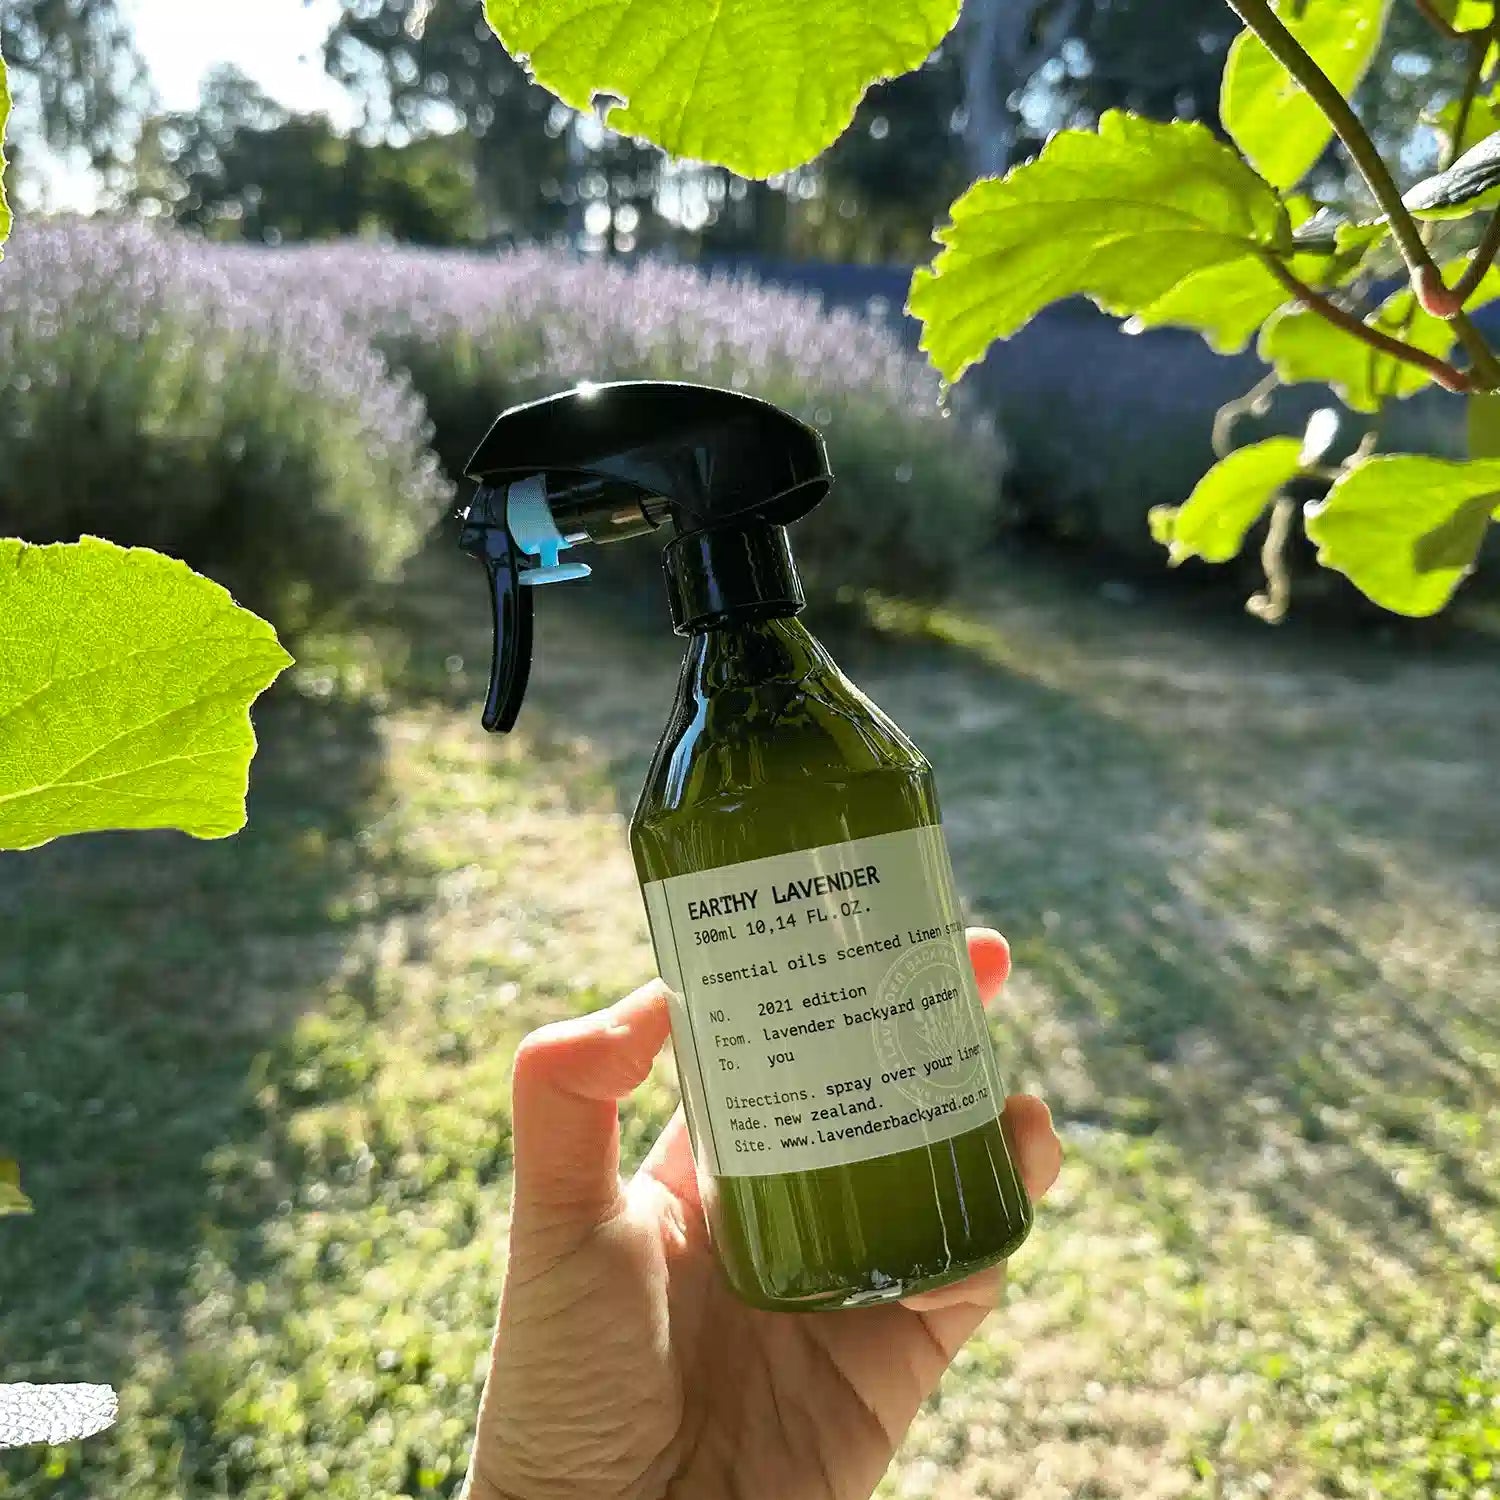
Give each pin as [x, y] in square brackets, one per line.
[1427, 280]
[1254, 402]
[1450, 377]
[1444, 27]
[1294, 57]
[1480, 262]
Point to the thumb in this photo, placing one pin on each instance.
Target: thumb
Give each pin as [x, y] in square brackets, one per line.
[569, 1079]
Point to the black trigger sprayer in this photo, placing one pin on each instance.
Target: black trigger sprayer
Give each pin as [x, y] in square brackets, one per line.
[839, 1084]
[724, 472]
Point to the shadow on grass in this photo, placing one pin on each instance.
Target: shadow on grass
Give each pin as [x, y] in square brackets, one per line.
[141, 976]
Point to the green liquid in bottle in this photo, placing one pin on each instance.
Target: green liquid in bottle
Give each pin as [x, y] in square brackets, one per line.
[770, 750]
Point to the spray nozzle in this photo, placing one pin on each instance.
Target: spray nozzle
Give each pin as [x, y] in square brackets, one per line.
[724, 472]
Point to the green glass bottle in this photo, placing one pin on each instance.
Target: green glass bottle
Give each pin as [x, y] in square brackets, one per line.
[839, 1085]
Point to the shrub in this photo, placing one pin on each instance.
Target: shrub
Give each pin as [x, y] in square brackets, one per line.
[917, 494]
[145, 397]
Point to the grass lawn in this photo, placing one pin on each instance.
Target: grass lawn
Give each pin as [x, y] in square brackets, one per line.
[259, 1088]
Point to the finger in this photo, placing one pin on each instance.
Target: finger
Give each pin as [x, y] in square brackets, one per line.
[569, 1079]
[1033, 1142]
[670, 1162]
[1038, 1155]
[981, 1290]
[990, 955]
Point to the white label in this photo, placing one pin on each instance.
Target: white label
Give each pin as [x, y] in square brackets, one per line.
[825, 1009]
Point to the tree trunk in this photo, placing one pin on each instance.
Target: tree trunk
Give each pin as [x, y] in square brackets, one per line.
[1001, 45]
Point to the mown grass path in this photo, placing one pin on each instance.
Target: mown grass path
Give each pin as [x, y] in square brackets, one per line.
[260, 1088]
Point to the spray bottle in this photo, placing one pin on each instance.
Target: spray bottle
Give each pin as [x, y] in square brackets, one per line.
[838, 1081]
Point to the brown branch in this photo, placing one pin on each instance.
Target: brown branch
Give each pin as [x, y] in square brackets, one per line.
[1444, 27]
[1300, 63]
[1480, 262]
[1426, 279]
[1450, 377]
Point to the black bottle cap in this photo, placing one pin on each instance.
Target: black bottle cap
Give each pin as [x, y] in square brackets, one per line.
[726, 573]
[602, 463]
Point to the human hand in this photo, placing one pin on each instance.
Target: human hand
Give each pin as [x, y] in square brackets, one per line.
[623, 1366]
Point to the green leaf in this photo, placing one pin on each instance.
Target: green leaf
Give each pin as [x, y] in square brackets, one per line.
[12, 1199]
[1472, 183]
[1483, 120]
[1227, 501]
[1122, 216]
[758, 88]
[1466, 15]
[1304, 346]
[1272, 119]
[1405, 530]
[4, 119]
[1484, 424]
[1328, 232]
[1227, 303]
[125, 686]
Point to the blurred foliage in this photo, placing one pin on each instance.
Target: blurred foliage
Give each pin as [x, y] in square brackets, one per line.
[421, 69]
[459, 147]
[241, 167]
[77, 71]
[252, 411]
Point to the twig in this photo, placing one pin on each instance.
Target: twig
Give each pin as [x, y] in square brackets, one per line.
[1447, 28]
[1252, 403]
[1272, 605]
[1295, 58]
[1450, 377]
[1427, 280]
[1483, 258]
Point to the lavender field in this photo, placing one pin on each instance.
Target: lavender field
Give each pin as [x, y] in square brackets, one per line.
[294, 422]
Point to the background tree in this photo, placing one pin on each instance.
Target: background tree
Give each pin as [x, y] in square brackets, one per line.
[80, 82]
[427, 67]
[240, 166]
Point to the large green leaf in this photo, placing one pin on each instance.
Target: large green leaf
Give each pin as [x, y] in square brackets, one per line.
[1304, 346]
[1271, 117]
[1123, 216]
[12, 1199]
[1227, 303]
[125, 686]
[1405, 530]
[1483, 424]
[758, 86]
[1227, 501]
[4, 119]
[1466, 15]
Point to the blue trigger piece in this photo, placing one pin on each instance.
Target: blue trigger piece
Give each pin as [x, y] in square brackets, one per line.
[529, 519]
[554, 573]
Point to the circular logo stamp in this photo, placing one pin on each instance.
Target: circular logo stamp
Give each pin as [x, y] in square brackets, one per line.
[927, 1033]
